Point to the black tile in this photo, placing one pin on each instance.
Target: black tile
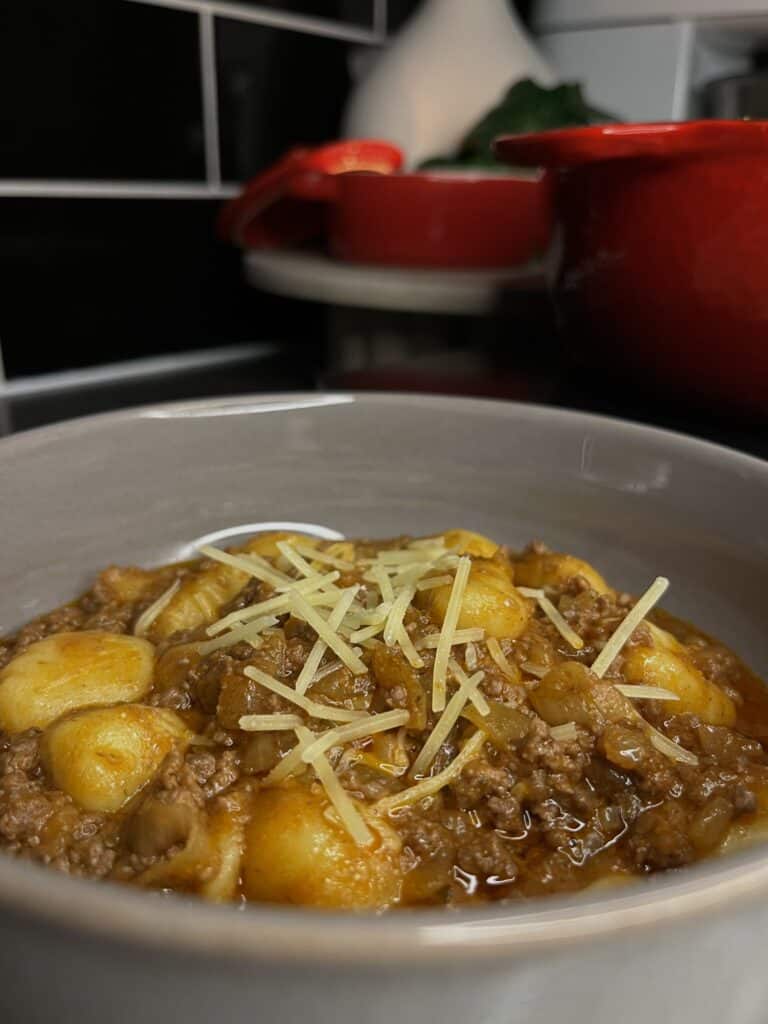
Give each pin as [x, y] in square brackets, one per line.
[92, 281]
[99, 89]
[276, 89]
[353, 12]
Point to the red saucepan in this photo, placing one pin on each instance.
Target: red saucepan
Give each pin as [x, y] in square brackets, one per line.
[664, 263]
[350, 194]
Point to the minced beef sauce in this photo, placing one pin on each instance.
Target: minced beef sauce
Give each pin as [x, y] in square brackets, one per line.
[535, 813]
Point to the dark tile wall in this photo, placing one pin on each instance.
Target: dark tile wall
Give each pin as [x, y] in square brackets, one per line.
[110, 90]
[356, 12]
[99, 89]
[91, 281]
[276, 89]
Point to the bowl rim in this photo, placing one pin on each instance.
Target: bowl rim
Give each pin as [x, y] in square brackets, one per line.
[263, 933]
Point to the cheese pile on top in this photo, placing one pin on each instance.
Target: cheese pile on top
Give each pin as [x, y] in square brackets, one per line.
[354, 603]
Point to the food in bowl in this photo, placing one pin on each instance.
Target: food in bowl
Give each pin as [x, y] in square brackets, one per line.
[374, 724]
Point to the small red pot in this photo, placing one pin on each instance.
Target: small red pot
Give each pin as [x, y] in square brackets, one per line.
[371, 214]
[664, 263]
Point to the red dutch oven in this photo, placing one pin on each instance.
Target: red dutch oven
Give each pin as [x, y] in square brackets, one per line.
[663, 268]
[350, 194]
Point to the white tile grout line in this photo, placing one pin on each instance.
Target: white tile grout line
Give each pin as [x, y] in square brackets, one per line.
[135, 369]
[272, 18]
[209, 94]
[115, 189]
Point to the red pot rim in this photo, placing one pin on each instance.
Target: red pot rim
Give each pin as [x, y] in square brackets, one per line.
[571, 147]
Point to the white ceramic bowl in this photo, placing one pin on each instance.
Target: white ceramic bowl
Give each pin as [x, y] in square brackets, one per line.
[139, 485]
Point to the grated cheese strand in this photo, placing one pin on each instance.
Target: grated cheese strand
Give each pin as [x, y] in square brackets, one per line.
[340, 647]
[149, 615]
[324, 711]
[561, 625]
[380, 578]
[534, 670]
[252, 565]
[428, 542]
[291, 764]
[460, 636]
[395, 617]
[450, 620]
[366, 633]
[291, 555]
[668, 747]
[428, 787]
[626, 628]
[646, 692]
[248, 632]
[400, 557]
[475, 697]
[322, 556]
[269, 723]
[495, 651]
[274, 604]
[350, 817]
[406, 646]
[319, 647]
[431, 582]
[444, 725]
[354, 731]
[567, 731]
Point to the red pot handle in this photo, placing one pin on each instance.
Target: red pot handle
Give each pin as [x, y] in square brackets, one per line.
[272, 208]
[571, 147]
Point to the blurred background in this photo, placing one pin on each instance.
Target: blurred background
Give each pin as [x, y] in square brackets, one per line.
[127, 124]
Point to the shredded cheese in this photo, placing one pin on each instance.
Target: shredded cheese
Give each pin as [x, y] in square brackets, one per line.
[475, 697]
[495, 651]
[460, 636]
[432, 582]
[273, 604]
[340, 648]
[149, 615]
[269, 723]
[366, 633]
[291, 764]
[444, 725]
[400, 557]
[668, 747]
[406, 646]
[646, 692]
[382, 581]
[319, 647]
[443, 651]
[567, 731]
[395, 617]
[324, 711]
[354, 731]
[534, 670]
[628, 625]
[322, 556]
[249, 632]
[294, 558]
[428, 787]
[428, 542]
[470, 657]
[350, 817]
[554, 615]
[252, 565]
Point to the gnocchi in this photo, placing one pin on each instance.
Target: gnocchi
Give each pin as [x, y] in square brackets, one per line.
[297, 853]
[490, 601]
[549, 569]
[72, 670]
[102, 757]
[670, 670]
